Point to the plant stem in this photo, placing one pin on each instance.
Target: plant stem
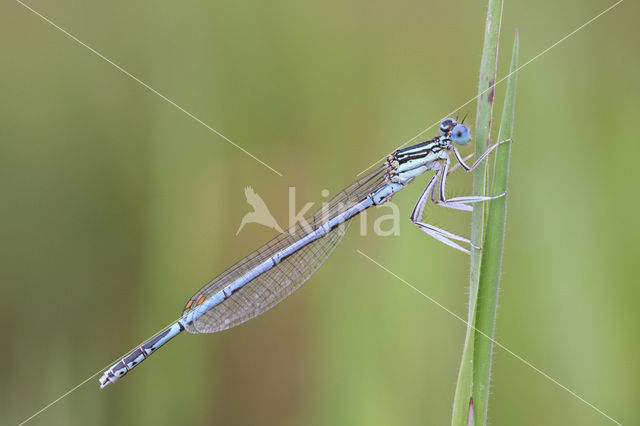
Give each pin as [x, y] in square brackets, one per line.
[492, 249]
[488, 69]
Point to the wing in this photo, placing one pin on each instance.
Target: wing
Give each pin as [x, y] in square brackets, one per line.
[270, 288]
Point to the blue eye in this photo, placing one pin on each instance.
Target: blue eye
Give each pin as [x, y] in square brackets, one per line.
[460, 134]
[447, 125]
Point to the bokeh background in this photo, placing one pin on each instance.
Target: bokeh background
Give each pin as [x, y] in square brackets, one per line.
[116, 207]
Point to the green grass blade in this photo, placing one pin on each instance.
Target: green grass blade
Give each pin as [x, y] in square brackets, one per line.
[488, 67]
[484, 115]
[491, 264]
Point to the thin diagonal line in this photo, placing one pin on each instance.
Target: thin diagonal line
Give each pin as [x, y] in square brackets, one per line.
[61, 397]
[145, 85]
[67, 393]
[527, 363]
[501, 80]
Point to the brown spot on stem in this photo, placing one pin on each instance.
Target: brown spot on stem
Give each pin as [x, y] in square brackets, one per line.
[491, 92]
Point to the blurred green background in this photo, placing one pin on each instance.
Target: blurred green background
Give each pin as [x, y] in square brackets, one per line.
[116, 207]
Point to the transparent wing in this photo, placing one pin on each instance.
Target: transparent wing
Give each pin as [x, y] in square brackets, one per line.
[270, 288]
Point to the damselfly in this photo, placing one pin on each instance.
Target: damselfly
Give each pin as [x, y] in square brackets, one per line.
[274, 271]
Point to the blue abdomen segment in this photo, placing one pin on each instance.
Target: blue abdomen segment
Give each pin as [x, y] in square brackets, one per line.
[385, 193]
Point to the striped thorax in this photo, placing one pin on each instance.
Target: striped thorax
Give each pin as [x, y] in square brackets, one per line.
[405, 164]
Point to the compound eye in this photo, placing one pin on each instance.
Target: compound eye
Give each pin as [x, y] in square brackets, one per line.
[460, 134]
[447, 125]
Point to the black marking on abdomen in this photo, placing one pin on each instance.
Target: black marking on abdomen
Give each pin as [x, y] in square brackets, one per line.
[151, 343]
[130, 359]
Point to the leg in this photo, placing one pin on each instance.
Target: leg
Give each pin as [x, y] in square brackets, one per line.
[437, 233]
[418, 209]
[446, 237]
[482, 157]
[458, 203]
[455, 166]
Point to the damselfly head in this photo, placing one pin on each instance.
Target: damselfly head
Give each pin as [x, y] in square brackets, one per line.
[460, 134]
[447, 125]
